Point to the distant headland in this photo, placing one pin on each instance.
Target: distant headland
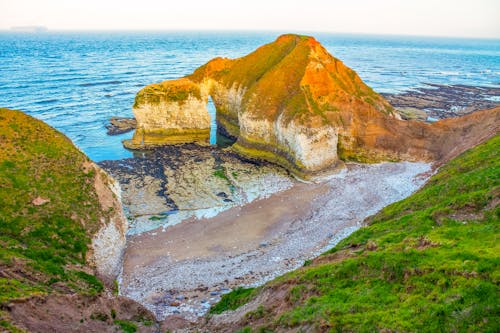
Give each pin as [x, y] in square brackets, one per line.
[30, 28]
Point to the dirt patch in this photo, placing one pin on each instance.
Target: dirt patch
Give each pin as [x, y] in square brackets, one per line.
[76, 313]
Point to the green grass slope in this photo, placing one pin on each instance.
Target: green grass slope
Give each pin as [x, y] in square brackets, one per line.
[37, 161]
[43, 248]
[429, 263]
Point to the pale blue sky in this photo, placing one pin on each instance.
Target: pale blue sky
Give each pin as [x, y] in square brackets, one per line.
[465, 18]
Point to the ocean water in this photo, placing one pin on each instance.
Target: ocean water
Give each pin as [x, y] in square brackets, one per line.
[76, 81]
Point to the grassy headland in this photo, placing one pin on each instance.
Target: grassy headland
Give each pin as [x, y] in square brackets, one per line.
[49, 211]
[428, 263]
[37, 161]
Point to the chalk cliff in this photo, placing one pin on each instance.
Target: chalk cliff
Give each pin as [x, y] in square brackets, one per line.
[289, 102]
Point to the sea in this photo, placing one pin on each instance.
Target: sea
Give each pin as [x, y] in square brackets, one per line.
[76, 81]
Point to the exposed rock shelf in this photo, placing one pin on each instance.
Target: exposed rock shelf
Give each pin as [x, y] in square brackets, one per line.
[167, 185]
[438, 101]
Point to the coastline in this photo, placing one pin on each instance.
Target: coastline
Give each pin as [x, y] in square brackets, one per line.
[219, 241]
[185, 269]
[196, 244]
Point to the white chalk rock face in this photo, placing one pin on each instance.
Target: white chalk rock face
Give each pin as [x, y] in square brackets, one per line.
[192, 113]
[308, 148]
[171, 114]
[108, 243]
[312, 149]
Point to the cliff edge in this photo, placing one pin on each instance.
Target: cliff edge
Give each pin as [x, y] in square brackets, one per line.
[292, 103]
[62, 234]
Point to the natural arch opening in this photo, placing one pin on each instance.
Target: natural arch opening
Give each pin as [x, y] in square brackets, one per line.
[213, 120]
[216, 136]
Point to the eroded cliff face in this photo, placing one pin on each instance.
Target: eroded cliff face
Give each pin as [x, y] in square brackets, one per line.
[289, 102]
[108, 243]
[171, 112]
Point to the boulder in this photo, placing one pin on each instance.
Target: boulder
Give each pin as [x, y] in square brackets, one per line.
[120, 125]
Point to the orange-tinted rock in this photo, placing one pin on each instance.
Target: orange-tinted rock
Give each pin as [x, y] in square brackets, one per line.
[292, 103]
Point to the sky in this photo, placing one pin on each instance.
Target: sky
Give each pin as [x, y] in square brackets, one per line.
[456, 18]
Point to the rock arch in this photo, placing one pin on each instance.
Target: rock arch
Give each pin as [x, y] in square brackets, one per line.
[292, 103]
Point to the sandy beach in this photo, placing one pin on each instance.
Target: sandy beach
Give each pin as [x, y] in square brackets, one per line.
[183, 269]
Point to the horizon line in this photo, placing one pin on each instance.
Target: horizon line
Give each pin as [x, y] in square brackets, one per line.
[48, 30]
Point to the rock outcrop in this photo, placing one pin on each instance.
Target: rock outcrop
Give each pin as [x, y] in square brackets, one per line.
[108, 243]
[288, 102]
[120, 125]
[171, 112]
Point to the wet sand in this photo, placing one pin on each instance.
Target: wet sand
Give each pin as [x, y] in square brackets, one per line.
[185, 269]
[231, 232]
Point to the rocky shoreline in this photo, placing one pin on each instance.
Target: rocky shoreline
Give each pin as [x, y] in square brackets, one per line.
[184, 270]
[245, 222]
[438, 101]
[167, 185]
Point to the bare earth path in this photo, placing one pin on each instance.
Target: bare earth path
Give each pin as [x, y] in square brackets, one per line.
[188, 266]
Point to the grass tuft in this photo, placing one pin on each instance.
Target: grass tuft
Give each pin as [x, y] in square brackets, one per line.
[232, 300]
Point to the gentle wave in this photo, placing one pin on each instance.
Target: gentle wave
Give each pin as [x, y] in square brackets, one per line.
[103, 83]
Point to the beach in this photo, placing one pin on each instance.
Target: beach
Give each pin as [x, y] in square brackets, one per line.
[183, 269]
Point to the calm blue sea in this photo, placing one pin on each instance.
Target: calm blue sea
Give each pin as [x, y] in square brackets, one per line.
[77, 81]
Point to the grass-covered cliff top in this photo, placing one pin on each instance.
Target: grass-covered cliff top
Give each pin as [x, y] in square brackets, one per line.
[293, 75]
[168, 91]
[49, 211]
[428, 263]
[43, 240]
[296, 75]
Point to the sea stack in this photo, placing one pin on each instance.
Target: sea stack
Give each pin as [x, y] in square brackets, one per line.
[289, 102]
